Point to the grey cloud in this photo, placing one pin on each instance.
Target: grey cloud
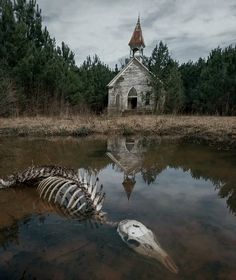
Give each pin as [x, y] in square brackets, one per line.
[50, 18]
[190, 28]
[187, 19]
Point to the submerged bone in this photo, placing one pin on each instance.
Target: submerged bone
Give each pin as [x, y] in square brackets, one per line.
[66, 193]
[35, 174]
[72, 195]
[142, 240]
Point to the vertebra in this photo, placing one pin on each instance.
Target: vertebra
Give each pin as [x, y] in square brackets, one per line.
[34, 174]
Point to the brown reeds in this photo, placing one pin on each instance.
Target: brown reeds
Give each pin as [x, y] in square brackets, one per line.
[196, 128]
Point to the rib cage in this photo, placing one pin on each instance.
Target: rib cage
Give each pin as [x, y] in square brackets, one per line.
[75, 198]
[64, 189]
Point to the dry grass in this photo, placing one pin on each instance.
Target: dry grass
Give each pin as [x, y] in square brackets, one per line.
[219, 129]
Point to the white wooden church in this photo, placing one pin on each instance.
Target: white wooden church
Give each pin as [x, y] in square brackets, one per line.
[130, 90]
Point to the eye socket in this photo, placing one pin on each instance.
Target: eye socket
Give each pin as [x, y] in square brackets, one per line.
[135, 226]
[133, 242]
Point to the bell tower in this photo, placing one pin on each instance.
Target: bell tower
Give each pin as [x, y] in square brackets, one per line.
[136, 42]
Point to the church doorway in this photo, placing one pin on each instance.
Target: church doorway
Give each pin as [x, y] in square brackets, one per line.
[132, 99]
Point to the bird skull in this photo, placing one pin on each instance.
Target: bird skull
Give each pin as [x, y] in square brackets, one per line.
[143, 241]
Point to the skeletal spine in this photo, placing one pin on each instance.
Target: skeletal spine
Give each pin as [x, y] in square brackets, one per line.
[34, 174]
[63, 187]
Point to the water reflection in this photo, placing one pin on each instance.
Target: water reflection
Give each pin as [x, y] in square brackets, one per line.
[127, 156]
[228, 191]
[131, 156]
[173, 188]
[150, 157]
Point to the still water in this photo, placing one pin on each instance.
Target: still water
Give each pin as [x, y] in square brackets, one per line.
[185, 193]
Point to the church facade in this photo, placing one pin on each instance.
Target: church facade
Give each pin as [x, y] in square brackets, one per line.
[130, 90]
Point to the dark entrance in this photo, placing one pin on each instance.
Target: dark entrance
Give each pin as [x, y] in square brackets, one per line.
[132, 99]
[132, 103]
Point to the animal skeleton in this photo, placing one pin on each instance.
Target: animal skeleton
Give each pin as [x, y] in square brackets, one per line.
[81, 198]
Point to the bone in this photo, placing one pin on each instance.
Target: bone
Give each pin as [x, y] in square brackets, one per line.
[54, 184]
[61, 188]
[143, 241]
[90, 187]
[72, 198]
[102, 198]
[76, 202]
[52, 191]
[43, 183]
[85, 179]
[79, 209]
[99, 206]
[66, 193]
[97, 198]
[94, 191]
[4, 184]
[79, 176]
[170, 265]
[43, 186]
[91, 184]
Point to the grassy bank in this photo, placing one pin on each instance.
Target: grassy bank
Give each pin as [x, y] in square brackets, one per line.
[218, 130]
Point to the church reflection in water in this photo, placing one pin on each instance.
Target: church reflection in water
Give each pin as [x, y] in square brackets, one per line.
[127, 155]
[150, 158]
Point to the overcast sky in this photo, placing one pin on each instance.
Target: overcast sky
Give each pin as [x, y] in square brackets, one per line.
[191, 28]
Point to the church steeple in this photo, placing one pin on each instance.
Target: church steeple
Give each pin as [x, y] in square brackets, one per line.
[136, 42]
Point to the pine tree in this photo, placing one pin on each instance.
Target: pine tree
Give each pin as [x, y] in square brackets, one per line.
[166, 81]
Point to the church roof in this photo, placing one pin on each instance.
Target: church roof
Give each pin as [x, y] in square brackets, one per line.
[132, 60]
[137, 37]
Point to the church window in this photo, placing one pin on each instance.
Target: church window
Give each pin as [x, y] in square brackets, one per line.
[147, 98]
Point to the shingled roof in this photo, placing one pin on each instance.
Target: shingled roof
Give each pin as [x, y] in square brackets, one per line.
[137, 40]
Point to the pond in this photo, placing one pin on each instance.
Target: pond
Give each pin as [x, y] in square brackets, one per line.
[185, 193]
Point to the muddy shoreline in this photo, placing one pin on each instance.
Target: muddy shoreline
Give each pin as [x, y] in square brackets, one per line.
[219, 131]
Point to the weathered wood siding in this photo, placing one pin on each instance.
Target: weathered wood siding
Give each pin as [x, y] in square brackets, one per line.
[134, 76]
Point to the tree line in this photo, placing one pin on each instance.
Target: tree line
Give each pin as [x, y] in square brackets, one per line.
[207, 86]
[39, 77]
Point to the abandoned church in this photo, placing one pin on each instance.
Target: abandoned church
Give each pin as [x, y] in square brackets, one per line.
[130, 90]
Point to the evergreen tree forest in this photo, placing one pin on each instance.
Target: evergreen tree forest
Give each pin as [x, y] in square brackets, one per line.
[39, 77]
[207, 86]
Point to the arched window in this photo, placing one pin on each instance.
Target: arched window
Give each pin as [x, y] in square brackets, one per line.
[147, 98]
[132, 98]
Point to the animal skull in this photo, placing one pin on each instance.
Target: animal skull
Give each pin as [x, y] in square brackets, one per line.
[143, 241]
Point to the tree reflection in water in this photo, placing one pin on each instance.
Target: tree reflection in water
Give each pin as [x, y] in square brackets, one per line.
[150, 156]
